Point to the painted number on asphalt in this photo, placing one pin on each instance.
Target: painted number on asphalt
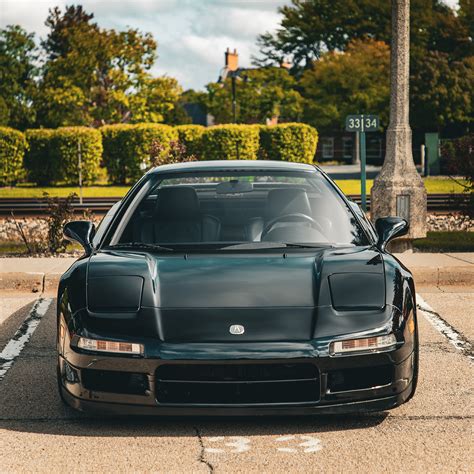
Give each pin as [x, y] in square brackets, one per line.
[285, 444]
[299, 444]
[238, 444]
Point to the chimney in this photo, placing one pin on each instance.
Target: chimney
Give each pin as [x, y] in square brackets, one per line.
[231, 60]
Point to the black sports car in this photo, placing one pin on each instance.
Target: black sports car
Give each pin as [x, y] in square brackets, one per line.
[234, 287]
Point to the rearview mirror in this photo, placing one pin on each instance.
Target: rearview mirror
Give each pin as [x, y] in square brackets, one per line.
[234, 186]
[81, 232]
[388, 228]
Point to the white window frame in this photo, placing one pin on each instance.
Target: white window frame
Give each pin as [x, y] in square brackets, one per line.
[345, 140]
[325, 143]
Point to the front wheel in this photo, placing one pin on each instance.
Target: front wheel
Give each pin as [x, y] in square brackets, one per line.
[60, 384]
[416, 359]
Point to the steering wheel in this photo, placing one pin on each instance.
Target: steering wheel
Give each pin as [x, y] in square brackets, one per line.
[295, 217]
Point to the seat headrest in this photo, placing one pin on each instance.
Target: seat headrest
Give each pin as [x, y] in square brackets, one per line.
[178, 202]
[287, 201]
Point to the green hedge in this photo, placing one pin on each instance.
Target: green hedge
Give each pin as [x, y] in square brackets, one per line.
[39, 160]
[230, 142]
[294, 142]
[114, 141]
[127, 148]
[53, 155]
[191, 137]
[12, 150]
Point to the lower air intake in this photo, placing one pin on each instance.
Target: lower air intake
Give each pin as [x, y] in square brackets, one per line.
[237, 384]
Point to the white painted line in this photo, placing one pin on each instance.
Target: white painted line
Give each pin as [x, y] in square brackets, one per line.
[454, 337]
[16, 344]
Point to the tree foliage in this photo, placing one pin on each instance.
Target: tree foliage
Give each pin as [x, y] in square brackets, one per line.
[318, 36]
[17, 73]
[261, 94]
[95, 76]
[339, 84]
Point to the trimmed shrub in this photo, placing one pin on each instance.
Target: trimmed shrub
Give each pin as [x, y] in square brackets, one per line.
[12, 150]
[191, 137]
[53, 155]
[114, 142]
[230, 142]
[294, 142]
[39, 162]
[127, 148]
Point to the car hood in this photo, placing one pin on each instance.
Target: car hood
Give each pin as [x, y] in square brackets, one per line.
[275, 296]
[238, 281]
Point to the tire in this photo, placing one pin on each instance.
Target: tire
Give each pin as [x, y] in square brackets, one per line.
[416, 361]
[60, 385]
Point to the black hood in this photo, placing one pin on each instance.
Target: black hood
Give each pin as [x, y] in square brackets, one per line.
[275, 296]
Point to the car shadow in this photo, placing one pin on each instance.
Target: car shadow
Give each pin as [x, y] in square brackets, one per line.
[30, 403]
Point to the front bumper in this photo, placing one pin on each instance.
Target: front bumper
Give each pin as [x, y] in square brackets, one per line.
[332, 397]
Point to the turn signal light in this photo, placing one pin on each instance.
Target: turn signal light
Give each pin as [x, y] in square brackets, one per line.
[368, 344]
[109, 346]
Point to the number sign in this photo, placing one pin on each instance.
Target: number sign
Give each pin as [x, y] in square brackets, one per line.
[362, 123]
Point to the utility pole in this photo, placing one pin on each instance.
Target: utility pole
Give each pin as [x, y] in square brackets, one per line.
[398, 189]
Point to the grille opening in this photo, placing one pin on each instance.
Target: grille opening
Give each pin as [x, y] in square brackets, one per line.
[236, 372]
[115, 382]
[360, 378]
[236, 384]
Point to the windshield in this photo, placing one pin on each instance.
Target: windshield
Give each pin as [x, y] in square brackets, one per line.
[232, 209]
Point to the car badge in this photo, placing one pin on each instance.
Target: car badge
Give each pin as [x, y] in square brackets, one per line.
[236, 329]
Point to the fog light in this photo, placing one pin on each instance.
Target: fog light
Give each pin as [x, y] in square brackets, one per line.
[367, 344]
[98, 345]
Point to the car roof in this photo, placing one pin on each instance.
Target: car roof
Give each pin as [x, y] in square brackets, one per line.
[232, 165]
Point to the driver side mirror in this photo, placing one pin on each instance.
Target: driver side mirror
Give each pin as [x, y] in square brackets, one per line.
[81, 232]
[388, 228]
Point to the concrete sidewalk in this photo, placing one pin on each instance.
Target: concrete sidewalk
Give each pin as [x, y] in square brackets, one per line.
[37, 274]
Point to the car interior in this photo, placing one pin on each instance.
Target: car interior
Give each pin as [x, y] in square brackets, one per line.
[234, 211]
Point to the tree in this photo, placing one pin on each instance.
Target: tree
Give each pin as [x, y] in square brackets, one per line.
[261, 94]
[311, 27]
[441, 93]
[17, 76]
[94, 76]
[355, 81]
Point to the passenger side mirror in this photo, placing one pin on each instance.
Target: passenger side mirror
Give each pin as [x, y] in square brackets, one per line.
[388, 228]
[81, 232]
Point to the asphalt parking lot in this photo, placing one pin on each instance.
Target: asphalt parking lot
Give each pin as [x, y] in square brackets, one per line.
[433, 432]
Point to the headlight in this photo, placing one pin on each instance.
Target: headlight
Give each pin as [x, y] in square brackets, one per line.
[98, 345]
[363, 345]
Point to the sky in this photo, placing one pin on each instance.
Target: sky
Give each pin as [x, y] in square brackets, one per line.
[192, 35]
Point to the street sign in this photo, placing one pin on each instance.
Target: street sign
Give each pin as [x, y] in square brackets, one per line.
[362, 123]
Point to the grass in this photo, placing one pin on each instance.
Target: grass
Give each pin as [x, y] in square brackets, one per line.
[438, 185]
[456, 241]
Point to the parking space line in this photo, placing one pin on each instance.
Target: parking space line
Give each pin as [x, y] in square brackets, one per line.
[453, 336]
[21, 337]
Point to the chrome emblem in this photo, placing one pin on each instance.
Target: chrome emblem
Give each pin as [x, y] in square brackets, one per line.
[236, 329]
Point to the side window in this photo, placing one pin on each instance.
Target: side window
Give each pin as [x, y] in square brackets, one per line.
[104, 223]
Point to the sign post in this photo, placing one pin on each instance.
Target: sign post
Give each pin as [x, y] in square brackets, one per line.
[361, 124]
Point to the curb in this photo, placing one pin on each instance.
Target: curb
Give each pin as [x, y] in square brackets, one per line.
[39, 282]
[462, 275]
[35, 282]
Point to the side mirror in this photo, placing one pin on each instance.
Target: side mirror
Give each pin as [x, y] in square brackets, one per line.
[388, 228]
[81, 232]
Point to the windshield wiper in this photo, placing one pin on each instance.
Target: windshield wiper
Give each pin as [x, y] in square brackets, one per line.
[272, 245]
[142, 246]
